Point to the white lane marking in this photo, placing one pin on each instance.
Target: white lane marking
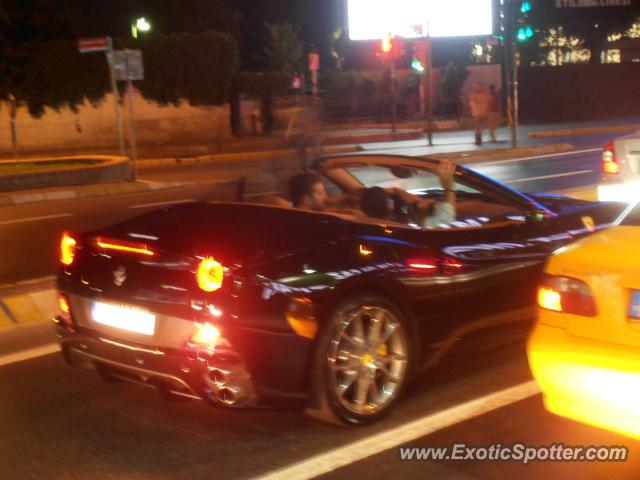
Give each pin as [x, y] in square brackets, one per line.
[536, 157]
[29, 354]
[378, 443]
[33, 219]
[555, 175]
[167, 202]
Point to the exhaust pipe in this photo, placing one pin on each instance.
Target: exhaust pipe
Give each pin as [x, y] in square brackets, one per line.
[227, 395]
[218, 377]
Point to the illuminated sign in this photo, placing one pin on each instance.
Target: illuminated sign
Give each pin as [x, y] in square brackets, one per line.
[374, 19]
[592, 3]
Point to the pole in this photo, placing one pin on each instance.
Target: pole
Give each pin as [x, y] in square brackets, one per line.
[429, 90]
[116, 96]
[12, 116]
[514, 131]
[511, 69]
[132, 119]
[394, 113]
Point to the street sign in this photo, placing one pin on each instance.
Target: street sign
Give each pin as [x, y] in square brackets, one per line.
[127, 64]
[93, 44]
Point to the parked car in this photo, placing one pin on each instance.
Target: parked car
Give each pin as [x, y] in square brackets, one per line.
[250, 305]
[621, 170]
[585, 350]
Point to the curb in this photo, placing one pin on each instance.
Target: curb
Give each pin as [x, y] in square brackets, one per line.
[496, 155]
[583, 131]
[86, 191]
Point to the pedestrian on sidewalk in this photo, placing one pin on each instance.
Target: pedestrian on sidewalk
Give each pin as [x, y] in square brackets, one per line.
[479, 100]
[495, 112]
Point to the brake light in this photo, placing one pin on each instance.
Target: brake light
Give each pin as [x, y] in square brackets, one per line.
[210, 275]
[123, 246]
[567, 295]
[68, 246]
[422, 264]
[434, 266]
[206, 335]
[609, 161]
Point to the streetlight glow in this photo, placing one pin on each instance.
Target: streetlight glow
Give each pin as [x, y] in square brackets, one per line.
[140, 25]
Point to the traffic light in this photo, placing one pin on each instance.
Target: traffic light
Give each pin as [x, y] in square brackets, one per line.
[391, 47]
[524, 32]
[420, 52]
[386, 44]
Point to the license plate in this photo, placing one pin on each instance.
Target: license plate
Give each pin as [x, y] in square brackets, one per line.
[634, 307]
[123, 317]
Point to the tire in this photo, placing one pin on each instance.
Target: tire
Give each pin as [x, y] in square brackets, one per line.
[362, 361]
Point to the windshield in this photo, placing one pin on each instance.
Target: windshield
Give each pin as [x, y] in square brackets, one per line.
[413, 180]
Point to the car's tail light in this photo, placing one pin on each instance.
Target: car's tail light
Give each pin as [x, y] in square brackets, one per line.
[210, 275]
[207, 335]
[609, 161]
[68, 246]
[567, 295]
[124, 246]
[434, 265]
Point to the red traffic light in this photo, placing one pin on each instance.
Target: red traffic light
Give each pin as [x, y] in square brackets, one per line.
[386, 44]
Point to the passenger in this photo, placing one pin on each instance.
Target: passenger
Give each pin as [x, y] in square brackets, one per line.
[307, 192]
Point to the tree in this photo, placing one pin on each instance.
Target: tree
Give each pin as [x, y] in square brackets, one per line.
[25, 24]
[592, 25]
[453, 78]
[196, 67]
[282, 50]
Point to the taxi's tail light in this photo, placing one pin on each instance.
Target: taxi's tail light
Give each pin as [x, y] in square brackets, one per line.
[566, 295]
[206, 335]
[609, 160]
[434, 265]
[68, 248]
[210, 274]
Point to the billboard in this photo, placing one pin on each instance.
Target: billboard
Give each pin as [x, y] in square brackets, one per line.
[374, 19]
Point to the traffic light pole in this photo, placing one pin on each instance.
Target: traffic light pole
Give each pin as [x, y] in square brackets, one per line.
[429, 92]
[511, 69]
[394, 113]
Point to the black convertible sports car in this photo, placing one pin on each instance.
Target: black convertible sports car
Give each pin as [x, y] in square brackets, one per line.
[251, 305]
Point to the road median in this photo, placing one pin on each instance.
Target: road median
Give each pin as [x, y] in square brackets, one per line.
[584, 131]
[496, 155]
[85, 191]
[28, 302]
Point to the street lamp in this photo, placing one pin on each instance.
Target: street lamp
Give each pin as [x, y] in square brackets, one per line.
[140, 25]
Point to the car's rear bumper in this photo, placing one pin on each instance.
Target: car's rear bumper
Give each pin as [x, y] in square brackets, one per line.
[218, 377]
[590, 381]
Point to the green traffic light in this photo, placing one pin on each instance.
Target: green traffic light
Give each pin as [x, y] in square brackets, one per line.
[521, 35]
[525, 7]
[417, 65]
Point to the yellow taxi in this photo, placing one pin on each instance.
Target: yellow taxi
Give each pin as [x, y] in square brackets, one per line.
[585, 349]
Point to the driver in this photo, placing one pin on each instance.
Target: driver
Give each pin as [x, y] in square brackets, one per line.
[307, 192]
[376, 201]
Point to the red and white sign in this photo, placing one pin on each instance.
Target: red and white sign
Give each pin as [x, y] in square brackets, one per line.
[94, 44]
